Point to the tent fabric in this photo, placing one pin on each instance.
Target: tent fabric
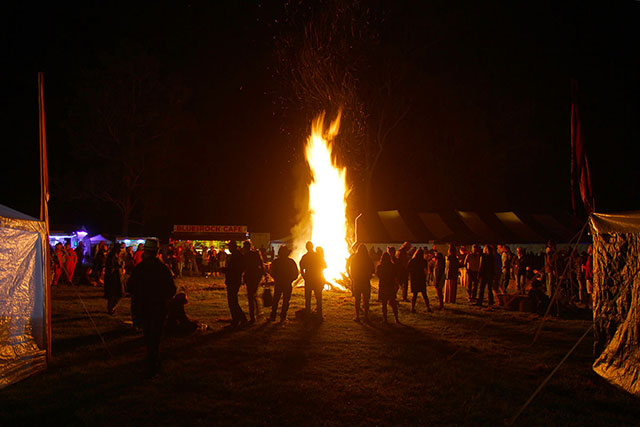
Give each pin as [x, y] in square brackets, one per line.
[523, 232]
[463, 227]
[479, 227]
[435, 225]
[616, 298]
[396, 226]
[23, 328]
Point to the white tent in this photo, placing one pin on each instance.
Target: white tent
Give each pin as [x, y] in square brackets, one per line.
[616, 298]
[23, 296]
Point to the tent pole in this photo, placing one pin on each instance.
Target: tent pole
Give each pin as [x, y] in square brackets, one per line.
[555, 293]
[44, 209]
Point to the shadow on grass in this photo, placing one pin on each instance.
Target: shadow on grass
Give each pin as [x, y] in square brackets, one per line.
[63, 345]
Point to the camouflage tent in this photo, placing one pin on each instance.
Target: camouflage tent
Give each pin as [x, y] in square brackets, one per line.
[616, 298]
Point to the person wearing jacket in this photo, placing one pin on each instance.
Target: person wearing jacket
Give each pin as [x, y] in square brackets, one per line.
[284, 271]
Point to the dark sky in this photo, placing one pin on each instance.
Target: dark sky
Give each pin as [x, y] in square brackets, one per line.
[487, 78]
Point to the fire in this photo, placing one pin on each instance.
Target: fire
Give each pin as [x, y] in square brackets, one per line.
[327, 221]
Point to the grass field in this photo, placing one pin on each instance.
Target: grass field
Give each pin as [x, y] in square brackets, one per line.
[336, 372]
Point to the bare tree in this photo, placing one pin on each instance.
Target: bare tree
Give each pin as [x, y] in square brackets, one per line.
[332, 55]
[124, 123]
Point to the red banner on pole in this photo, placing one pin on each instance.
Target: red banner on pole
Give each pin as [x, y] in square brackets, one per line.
[579, 164]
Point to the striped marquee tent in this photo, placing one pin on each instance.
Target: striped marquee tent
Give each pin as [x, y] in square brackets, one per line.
[464, 227]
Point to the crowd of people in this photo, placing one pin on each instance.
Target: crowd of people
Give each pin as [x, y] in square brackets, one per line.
[493, 269]
[148, 273]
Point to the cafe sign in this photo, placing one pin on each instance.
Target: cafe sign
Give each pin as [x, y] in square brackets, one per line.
[210, 229]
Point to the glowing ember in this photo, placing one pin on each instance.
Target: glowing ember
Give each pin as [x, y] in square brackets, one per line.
[327, 223]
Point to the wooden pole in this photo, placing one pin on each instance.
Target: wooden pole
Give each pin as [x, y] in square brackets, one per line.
[44, 209]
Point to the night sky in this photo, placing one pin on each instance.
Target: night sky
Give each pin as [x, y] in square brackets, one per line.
[490, 79]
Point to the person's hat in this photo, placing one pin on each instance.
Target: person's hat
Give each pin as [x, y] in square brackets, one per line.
[283, 251]
[151, 245]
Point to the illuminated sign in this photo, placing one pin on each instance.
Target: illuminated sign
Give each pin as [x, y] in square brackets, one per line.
[210, 229]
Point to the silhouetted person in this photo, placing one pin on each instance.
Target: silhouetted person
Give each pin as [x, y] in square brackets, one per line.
[99, 261]
[360, 268]
[539, 299]
[387, 286]
[507, 258]
[284, 271]
[311, 267]
[114, 278]
[418, 274]
[59, 263]
[177, 320]
[472, 262]
[152, 287]
[70, 262]
[253, 272]
[451, 283]
[551, 268]
[233, 280]
[402, 258]
[487, 274]
[522, 268]
[438, 275]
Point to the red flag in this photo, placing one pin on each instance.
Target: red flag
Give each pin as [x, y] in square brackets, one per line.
[579, 164]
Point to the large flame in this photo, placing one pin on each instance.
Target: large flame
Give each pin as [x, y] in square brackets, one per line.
[327, 222]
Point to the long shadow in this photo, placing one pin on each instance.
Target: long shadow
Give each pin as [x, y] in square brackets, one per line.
[57, 319]
[62, 345]
[294, 357]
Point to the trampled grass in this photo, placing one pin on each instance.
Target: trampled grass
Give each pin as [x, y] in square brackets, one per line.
[336, 372]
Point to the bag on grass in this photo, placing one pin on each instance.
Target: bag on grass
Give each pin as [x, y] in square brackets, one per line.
[267, 298]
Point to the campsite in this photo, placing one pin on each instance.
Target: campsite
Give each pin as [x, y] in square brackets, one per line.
[320, 212]
[337, 373]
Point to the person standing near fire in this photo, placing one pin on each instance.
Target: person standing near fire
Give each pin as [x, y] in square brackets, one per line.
[284, 271]
[253, 272]
[418, 274]
[403, 270]
[387, 285]
[438, 275]
[233, 280]
[311, 267]
[360, 268]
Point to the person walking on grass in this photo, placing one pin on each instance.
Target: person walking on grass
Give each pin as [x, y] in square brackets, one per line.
[253, 272]
[418, 274]
[387, 286]
[284, 271]
[152, 287]
[360, 268]
[233, 281]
